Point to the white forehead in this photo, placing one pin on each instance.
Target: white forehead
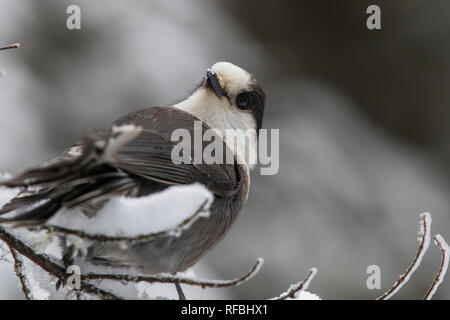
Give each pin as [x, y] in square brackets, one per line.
[232, 78]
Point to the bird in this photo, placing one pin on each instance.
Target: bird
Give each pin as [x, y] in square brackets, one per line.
[133, 158]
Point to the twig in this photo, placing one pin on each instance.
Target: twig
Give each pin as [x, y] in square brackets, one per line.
[445, 249]
[298, 287]
[11, 46]
[425, 231]
[18, 247]
[18, 269]
[42, 260]
[168, 278]
[46, 263]
[4, 253]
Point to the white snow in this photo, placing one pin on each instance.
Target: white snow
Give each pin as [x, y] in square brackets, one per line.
[6, 194]
[304, 285]
[305, 295]
[32, 280]
[37, 293]
[131, 217]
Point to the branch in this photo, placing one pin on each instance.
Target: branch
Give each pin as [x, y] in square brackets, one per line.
[298, 287]
[18, 269]
[424, 232]
[4, 253]
[46, 263]
[42, 260]
[445, 249]
[56, 268]
[168, 278]
[11, 46]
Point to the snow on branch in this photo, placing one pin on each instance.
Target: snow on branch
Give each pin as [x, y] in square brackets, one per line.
[56, 269]
[424, 239]
[298, 290]
[130, 220]
[295, 291]
[20, 272]
[445, 249]
[168, 213]
[46, 263]
[11, 46]
[168, 278]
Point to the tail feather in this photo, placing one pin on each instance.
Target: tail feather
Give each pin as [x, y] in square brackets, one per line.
[35, 216]
[22, 200]
[71, 183]
[52, 173]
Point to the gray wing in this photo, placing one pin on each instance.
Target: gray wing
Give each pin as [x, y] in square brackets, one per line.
[148, 154]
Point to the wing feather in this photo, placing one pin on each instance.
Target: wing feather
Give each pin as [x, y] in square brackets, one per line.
[149, 153]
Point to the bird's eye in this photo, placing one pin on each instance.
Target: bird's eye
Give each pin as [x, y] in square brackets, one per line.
[243, 100]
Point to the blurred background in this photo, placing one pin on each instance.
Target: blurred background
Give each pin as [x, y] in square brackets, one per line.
[364, 121]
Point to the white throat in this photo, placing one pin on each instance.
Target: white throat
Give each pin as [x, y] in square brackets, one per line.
[233, 125]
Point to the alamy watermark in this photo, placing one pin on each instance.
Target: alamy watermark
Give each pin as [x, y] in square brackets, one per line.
[74, 280]
[73, 21]
[374, 280]
[373, 21]
[242, 146]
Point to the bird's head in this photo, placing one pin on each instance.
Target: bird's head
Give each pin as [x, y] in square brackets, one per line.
[229, 99]
[237, 90]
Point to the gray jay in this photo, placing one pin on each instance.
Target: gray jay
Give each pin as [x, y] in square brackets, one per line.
[135, 163]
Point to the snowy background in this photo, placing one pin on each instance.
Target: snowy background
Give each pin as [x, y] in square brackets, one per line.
[363, 116]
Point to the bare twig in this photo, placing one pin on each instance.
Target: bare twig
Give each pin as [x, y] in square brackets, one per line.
[168, 278]
[298, 287]
[445, 249]
[11, 46]
[425, 230]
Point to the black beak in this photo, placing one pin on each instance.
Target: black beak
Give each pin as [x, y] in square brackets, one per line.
[213, 83]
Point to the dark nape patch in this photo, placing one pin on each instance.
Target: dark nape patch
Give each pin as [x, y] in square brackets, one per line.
[258, 101]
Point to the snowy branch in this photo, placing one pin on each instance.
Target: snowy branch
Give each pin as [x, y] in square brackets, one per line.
[445, 249]
[424, 234]
[168, 278]
[201, 212]
[128, 220]
[11, 46]
[19, 270]
[47, 263]
[120, 220]
[295, 290]
[54, 268]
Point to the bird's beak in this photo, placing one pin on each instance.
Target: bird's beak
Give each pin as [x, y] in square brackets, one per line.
[212, 82]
